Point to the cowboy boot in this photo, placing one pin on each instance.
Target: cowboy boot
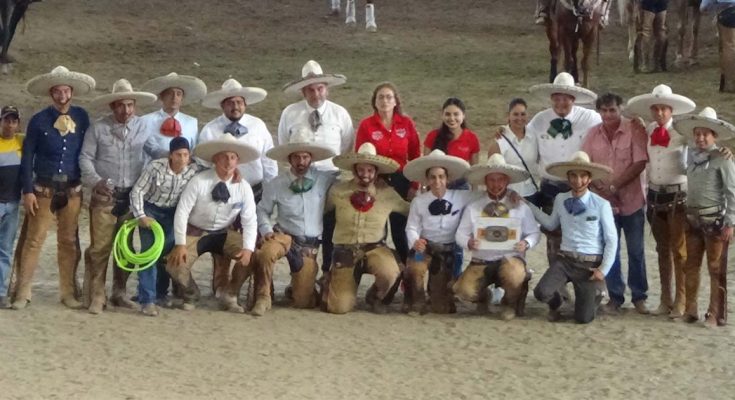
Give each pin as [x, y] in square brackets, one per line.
[350, 13]
[370, 24]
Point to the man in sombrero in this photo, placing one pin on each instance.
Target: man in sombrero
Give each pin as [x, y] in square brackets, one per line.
[710, 211]
[111, 161]
[432, 221]
[362, 206]
[51, 183]
[588, 244]
[502, 267]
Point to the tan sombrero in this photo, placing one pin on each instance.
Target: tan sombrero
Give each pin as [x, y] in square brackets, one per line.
[233, 88]
[641, 105]
[456, 167]
[564, 83]
[302, 140]
[226, 142]
[123, 90]
[312, 73]
[707, 118]
[193, 87]
[366, 154]
[580, 161]
[496, 164]
[40, 85]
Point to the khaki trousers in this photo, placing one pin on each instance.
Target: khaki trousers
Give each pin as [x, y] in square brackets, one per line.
[441, 298]
[652, 41]
[669, 231]
[698, 244]
[727, 58]
[511, 275]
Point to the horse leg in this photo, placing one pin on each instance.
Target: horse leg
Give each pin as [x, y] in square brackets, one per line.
[662, 41]
[589, 36]
[552, 36]
[632, 20]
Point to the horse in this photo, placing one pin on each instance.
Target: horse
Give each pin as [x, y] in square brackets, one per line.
[570, 22]
[11, 12]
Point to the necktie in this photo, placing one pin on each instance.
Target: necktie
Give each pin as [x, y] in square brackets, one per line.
[171, 127]
[495, 209]
[301, 185]
[235, 129]
[440, 207]
[362, 201]
[574, 206]
[220, 193]
[315, 121]
[660, 137]
[560, 126]
[65, 125]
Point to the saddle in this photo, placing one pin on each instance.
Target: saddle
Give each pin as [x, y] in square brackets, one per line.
[583, 8]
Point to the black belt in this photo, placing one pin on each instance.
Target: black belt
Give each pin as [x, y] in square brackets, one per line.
[573, 255]
[57, 184]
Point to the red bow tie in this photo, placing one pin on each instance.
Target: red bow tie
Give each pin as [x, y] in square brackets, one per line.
[660, 137]
[171, 127]
[362, 201]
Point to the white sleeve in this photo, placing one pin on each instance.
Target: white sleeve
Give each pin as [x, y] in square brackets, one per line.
[270, 166]
[183, 209]
[531, 232]
[87, 156]
[464, 230]
[248, 219]
[348, 132]
[413, 224]
[282, 134]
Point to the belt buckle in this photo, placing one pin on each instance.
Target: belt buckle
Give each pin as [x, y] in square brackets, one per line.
[60, 178]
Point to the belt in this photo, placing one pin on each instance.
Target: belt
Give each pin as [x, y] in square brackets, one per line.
[677, 187]
[706, 211]
[52, 183]
[192, 230]
[593, 258]
[440, 247]
[311, 241]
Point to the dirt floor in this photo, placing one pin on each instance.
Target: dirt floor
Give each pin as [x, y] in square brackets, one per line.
[485, 52]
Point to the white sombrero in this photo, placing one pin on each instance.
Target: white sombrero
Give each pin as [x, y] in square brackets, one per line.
[641, 105]
[226, 142]
[707, 118]
[496, 164]
[123, 90]
[233, 88]
[366, 154]
[456, 167]
[193, 87]
[40, 85]
[580, 161]
[312, 73]
[564, 83]
[302, 140]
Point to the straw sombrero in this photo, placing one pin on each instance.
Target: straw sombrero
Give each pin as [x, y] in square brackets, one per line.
[580, 161]
[193, 87]
[40, 85]
[302, 140]
[123, 90]
[641, 105]
[496, 164]
[226, 142]
[707, 118]
[564, 83]
[366, 154]
[233, 88]
[456, 167]
[312, 73]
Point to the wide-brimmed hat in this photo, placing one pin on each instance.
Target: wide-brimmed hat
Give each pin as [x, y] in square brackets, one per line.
[641, 105]
[226, 142]
[193, 87]
[707, 118]
[564, 83]
[496, 164]
[40, 85]
[123, 90]
[233, 88]
[312, 73]
[456, 167]
[302, 140]
[579, 161]
[366, 154]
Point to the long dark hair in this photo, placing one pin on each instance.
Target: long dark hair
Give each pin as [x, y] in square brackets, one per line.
[445, 135]
[394, 89]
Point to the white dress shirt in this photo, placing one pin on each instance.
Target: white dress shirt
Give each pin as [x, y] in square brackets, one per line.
[558, 149]
[157, 145]
[528, 147]
[436, 228]
[258, 136]
[336, 130]
[197, 208]
[667, 165]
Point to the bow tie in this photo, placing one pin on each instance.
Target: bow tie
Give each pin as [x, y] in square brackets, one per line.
[560, 126]
[236, 129]
[65, 125]
[660, 137]
[574, 206]
[301, 185]
[171, 127]
[362, 201]
[440, 207]
[495, 209]
[220, 193]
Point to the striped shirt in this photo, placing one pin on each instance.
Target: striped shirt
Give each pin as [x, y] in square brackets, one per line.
[159, 185]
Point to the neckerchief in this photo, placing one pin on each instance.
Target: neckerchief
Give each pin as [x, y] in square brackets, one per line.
[171, 127]
[220, 192]
[236, 129]
[660, 137]
[560, 126]
[65, 125]
[362, 201]
[574, 206]
[301, 185]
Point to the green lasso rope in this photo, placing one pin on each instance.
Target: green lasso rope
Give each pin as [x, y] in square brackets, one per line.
[125, 256]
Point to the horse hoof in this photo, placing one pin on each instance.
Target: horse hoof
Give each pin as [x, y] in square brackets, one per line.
[6, 68]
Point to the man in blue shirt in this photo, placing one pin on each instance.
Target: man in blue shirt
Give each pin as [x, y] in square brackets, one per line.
[589, 239]
[51, 182]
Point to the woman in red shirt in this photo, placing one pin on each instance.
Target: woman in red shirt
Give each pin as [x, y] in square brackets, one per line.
[394, 135]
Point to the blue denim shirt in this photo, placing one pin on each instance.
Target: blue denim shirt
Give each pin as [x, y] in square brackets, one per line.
[46, 152]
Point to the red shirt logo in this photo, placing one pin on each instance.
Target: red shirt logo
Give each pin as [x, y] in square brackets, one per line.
[377, 135]
[401, 132]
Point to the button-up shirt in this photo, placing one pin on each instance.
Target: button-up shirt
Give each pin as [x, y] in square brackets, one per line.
[400, 142]
[47, 153]
[258, 136]
[591, 232]
[157, 144]
[628, 147]
[528, 147]
[667, 165]
[299, 214]
[711, 182]
[159, 185]
[436, 228]
[10, 150]
[356, 227]
[197, 208]
[529, 228]
[113, 150]
[336, 130]
[557, 149]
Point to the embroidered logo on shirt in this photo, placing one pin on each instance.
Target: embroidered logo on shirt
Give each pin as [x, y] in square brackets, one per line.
[376, 135]
[400, 132]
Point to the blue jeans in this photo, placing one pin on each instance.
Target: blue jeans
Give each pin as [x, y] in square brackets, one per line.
[150, 280]
[632, 226]
[8, 230]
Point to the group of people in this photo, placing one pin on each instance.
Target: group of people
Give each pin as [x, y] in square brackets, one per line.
[573, 173]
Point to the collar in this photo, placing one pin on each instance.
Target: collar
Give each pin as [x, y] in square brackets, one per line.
[668, 125]
[447, 194]
[570, 116]
[321, 108]
[397, 119]
[309, 174]
[502, 199]
[583, 197]
[164, 114]
[169, 171]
